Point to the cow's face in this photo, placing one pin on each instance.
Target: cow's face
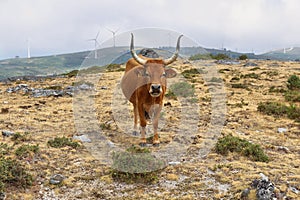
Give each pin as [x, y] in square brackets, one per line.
[154, 77]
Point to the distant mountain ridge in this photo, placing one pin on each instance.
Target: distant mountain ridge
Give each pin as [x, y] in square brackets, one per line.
[58, 64]
[292, 53]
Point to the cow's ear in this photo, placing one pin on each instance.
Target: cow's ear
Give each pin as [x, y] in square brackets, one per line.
[170, 73]
[140, 70]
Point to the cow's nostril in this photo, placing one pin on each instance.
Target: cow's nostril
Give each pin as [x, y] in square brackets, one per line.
[155, 87]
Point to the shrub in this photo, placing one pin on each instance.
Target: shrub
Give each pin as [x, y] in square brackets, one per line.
[181, 89]
[191, 73]
[26, 150]
[279, 109]
[243, 57]
[12, 173]
[251, 75]
[293, 82]
[59, 142]
[230, 143]
[292, 95]
[200, 57]
[136, 165]
[220, 56]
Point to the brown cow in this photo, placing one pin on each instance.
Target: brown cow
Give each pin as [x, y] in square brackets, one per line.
[144, 85]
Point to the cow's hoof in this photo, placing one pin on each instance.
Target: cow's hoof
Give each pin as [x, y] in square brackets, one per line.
[142, 144]
[156, 144]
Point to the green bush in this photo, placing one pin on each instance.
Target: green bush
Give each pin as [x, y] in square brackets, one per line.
[278, 110]
[292, 95]
[230, 143]
[13, 174]
[60, 142]
[220, 56]
[181, 89]
[200, 57]
[293, 82]
[136, 165]
[243, 57]
[26, 150]
[251, 75]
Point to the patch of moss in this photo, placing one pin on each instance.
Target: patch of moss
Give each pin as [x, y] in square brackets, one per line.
[230, 143]
[13, 174]
[60, 142]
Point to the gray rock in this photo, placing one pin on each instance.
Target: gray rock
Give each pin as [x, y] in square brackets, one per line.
[293, 189]
[250, 64]
[82, 138]
[56, 179]
[7, 133]
[174, 163]
[245, 193]
[2, 196]
[264, 188]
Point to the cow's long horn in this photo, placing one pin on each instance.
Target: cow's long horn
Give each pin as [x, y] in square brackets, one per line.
[175, 55]
[133, 53]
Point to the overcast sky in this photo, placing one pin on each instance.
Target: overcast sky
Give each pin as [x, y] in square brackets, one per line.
[61, 26]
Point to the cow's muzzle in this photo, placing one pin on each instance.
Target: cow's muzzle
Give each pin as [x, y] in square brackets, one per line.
[155, 90]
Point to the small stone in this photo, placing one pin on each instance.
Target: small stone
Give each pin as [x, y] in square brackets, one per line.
[282, 130]
[82, 138]
[104, 88]
[56, 179]
[245, 193]
[293, 189]
[285, 149]
[174, 163]
[2, 196]
[7, 133]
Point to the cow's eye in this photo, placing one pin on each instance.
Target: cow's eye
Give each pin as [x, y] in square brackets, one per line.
[146, 74]
[164, 74]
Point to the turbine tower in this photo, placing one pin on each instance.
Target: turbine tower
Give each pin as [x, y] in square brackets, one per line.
[96, 43]
[170, 36]
[28, 48]
[114, 35]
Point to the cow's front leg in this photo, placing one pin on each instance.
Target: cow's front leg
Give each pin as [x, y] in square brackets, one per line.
[136, 113]
[143, 124]
[156, 111]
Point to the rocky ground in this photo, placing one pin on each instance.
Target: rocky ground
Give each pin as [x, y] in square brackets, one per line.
[94, 109]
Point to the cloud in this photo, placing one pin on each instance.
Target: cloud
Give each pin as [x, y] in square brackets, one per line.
[56, 26]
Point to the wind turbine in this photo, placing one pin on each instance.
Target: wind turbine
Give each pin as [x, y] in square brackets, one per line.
[96, 43]
[170, 36]
[28, 48]
[114, 35]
